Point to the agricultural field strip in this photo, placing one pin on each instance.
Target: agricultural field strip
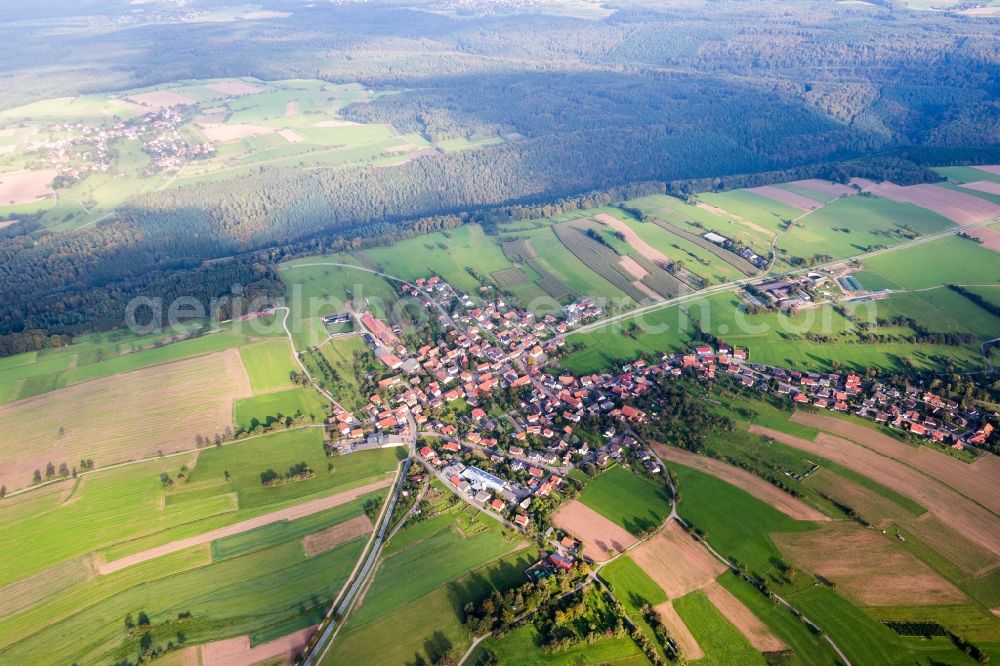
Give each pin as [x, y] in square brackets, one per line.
[976, 481]
[970, 519]
[734, 260]
[290, 513]
[734, 284]
[744, 480]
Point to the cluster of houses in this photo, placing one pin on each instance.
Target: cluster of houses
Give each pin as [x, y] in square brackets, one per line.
[77, 149]
[787, 294]
[491, 350]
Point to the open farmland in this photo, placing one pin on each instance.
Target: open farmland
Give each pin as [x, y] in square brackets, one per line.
[786, 197]
[113, 419]
[720, 641]
[601, 538]
[291, 513]
[627, 499]
[977, 481]
[20, 187]
[969, 519]
[748, 624]
[269, 365]
[958, 207]
[867, 567]
[752, 484]
[676, 562]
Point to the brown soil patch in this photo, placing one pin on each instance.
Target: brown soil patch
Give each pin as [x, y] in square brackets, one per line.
[290, 136]
[235, 87]
[968, 518]
[990, 238]
[161, 98]
[597, 533]
[679, 631]
[987, 186]
[793, 199]
[633, 239]
[335, 535]
[977, 481]
[990, 168]
[290, 513]
[743, 619]
[237, 651]
[744, 480]
[958, 207]
[124, 417]
[646, 290]
[826, 187]
[874, 508]
[867, 567]
[632, 267]
[291, 109]
[20, 187]
[676, 562]
[221, 132]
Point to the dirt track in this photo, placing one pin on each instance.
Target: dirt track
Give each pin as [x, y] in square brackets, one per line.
[968, 518]
[598, 534]
[744, 480]
[632, 238]
[291, 513]
[977, 481]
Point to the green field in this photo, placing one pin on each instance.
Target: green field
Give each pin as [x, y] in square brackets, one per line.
[520, 648]
[722, 642]
[103, 355]
[947, 260]
[269, 365]
[414, 605]
[248, 413]
[627, 499]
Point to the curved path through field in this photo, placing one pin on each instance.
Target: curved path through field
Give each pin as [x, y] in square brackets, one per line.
[290, 513]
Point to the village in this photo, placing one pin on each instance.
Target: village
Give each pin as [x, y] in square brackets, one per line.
[502, 431]
[77, 149]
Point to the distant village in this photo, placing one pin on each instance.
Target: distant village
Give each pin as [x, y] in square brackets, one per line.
[77, 149]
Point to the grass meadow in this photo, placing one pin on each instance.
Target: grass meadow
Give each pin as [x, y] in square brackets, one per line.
[722, 642]
[627, 499]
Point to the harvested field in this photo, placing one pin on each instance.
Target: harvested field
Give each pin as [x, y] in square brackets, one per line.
[990, 238]
[509, 277]
[793, 199]
[598, 534]
[122, 417]
[969, 519]
[519, 250]
[633, 239]
[679, 631]
[335, 535]
[958, 207]
[290, 513]
[633, 268]
[221, 132]
[825, 187]
[290, 136]
[599, 258]
[676, 562]
[977, 481]
[646, 289]
[291, 109]
[237, 651]
[160, 98]
[744, 480]
[987, 186]
[26, 592]
[990, 168]
[878, 510]
[867, 567]
[20, 187]
[743, 619]
[235, 87]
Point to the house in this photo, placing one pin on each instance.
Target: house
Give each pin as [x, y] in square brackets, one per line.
[522, 520]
